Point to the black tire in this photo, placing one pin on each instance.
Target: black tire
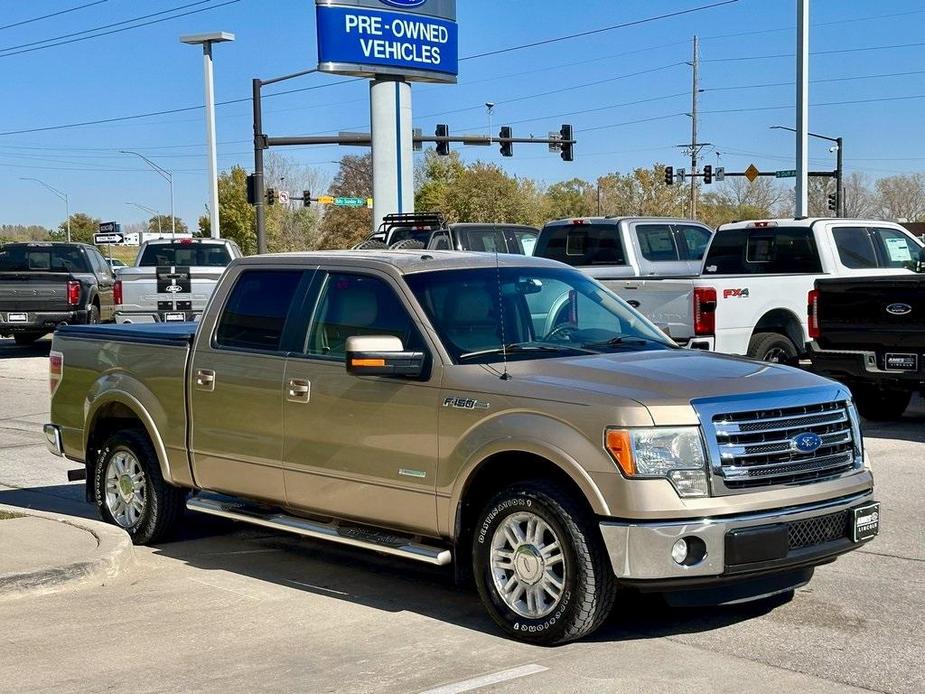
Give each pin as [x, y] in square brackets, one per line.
[881, 405]
[26, 339]
[772, 347]
[370, 245]
[407, 244]
[163, 503]
[589, 585]
[93, 315]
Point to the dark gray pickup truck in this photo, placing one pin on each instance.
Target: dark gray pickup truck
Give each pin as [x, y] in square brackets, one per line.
[44, 285]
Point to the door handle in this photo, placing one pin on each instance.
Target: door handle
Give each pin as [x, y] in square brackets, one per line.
[298, 390]
[205, 379]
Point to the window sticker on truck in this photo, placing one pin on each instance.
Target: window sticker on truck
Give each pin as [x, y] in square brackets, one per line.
[736, 293]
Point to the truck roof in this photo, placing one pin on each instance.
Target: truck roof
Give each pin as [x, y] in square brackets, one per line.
[618, 219]
[405, 261]
[800, 222]
[186, 239]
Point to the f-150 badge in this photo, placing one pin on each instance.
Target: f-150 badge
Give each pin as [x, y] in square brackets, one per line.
[465, 403]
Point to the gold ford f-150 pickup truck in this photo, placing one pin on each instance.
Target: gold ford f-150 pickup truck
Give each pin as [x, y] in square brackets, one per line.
[506, 414]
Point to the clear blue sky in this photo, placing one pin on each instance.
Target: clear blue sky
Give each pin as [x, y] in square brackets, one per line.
[147, 69]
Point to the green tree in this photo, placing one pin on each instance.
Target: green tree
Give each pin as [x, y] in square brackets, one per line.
[161, 223]
[238, 219]
[83, 227]
[570, 198]
[344, 227]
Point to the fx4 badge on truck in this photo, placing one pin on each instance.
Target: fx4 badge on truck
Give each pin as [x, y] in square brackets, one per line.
[735, 293]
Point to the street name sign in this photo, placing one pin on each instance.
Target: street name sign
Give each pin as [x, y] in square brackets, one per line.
[414, 39]
[788, 173]
[350, 202]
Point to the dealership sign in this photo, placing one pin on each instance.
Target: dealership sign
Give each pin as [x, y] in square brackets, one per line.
[415, 39]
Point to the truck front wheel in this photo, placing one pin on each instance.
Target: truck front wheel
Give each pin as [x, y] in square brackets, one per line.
[772, 347]
[540, 566]
[131, 492]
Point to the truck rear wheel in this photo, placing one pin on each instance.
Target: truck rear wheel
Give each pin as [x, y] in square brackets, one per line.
[772, 347]
[131, 492]
[540, 566]
[881, 405]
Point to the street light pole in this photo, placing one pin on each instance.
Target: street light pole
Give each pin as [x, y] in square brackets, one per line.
[206, 41]
[802, 110]
[63, 196]
[157, 215]
[166, 175]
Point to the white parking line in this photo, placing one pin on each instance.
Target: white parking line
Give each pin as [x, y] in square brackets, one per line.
[485, 680]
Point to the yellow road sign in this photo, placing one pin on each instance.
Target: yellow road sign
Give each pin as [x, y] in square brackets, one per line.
[751, 173]
[326, 200]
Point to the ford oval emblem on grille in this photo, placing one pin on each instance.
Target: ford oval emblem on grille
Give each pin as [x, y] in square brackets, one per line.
[806, 443]
[898, 309]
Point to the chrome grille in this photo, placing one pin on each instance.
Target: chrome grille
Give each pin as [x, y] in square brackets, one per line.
[756, 448]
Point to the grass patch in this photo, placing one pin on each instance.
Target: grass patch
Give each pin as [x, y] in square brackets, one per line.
[5, 515]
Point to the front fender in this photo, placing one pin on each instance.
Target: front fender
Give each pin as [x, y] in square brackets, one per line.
[561, 444]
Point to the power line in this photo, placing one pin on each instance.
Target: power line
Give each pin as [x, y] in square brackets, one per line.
[819, 81]
[602, 30]
[7, 52]
[830, 52]
[53, 14]
[821, 103]
[815, 25]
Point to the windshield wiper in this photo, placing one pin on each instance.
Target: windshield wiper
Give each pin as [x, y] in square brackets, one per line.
[626, 340]
[521, 347]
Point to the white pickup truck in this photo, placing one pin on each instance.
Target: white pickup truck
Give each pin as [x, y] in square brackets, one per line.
[171, 280]
[753, 293]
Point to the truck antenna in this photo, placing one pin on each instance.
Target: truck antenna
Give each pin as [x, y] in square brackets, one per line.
[504, 376]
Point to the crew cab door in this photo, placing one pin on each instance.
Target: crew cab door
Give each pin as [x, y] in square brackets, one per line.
[359, 447]
[236, 385]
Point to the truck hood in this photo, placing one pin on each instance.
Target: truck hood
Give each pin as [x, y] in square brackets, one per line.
[664, 382]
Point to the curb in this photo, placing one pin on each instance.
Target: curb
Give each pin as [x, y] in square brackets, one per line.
[114, 554]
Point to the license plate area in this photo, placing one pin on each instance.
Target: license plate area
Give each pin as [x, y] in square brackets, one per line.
[865, 522]
[174, 317]
[17, 317]
[901, 362]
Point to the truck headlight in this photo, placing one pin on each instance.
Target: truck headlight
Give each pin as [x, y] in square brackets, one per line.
[672, 453]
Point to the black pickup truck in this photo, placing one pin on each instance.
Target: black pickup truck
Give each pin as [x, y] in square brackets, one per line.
[44, 285]
[869, 333]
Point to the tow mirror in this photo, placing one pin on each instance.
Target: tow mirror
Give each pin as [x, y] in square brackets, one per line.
[382, 355]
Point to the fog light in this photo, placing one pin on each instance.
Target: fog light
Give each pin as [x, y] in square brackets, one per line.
[679, 551]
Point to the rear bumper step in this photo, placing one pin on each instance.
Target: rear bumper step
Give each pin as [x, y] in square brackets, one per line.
[334, 531]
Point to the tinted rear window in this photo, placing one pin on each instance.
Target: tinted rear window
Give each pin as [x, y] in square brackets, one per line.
[256, 311]
[775, 250]
[193, 254]
[582, 244]
[26, 258]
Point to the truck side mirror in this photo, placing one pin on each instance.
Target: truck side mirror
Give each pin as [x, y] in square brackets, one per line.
[382, 355]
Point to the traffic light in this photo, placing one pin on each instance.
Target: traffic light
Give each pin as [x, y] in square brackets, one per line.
[271, 196]
[306, 198]
[252, 189]
[669, 175]
[708, 174]
[833, 201]
[507, 147]
[443, 148]
[568, 146]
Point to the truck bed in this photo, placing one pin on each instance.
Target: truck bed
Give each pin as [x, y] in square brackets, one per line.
[170, 334]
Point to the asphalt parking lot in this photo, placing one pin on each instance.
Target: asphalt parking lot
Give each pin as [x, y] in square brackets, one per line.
[236, 608]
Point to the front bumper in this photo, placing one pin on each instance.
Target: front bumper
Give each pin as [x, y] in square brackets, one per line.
[39, 321]
[737, 546]
[860, 366]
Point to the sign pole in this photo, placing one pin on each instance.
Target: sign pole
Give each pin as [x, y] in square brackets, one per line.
[393, 165]
[802, 115]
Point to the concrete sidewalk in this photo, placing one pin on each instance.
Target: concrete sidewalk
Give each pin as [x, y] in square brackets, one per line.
[42, 551]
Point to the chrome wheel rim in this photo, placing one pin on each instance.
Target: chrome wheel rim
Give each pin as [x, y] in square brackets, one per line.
[126, 493]
[776, 355]
[527, 565]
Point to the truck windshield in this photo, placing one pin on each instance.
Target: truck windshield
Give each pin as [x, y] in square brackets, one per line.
[532, 313]
[188, 254]
[42, 258]
[763, 250]
[581, 244]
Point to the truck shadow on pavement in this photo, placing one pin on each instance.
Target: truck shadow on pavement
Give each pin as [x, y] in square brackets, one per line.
[395, 585]
[10, 350]
[67, 499]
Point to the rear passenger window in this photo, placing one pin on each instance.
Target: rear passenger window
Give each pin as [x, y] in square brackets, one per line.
[255, 313]
[775, 251]
[692, 241]
[855, 249]
[657, 243]
[581, 244]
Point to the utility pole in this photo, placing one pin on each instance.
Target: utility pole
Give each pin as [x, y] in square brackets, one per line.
[802, 114]
[695, 93]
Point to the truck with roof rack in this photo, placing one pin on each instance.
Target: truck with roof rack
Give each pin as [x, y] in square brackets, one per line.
[444, 408]
[431, 231]
[750, 292]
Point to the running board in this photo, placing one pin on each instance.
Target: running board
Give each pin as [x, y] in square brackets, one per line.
[334, 531]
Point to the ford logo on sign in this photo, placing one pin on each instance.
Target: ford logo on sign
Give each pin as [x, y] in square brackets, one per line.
[898, 309]
[806, 443]
[403, 3]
